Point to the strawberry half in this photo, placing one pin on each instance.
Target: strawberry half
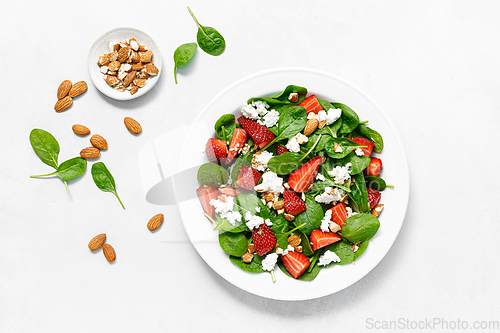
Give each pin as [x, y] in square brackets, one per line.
[229, 191]
[205, 194]
[373, 197]
[216, 150]
[295, 263]
[259, 133]
[237, 142]
[373, 169]
[293, 203]
[248, 177]
[321, 239]
[280, 149]
[339, 214]
[301, 179]
[311, 104]
[263, 239]
[364, 142]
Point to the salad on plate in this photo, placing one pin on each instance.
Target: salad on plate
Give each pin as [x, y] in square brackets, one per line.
[291, 181]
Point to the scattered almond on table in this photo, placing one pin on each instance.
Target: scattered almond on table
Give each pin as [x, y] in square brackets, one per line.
[109, 252]
[90, 153]
[132, 125]
[155, 222]
[96, 242]
[80, 130]
[66, 92]
[99, 142]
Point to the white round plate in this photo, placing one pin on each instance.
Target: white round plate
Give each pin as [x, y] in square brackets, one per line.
[101, 46]
[395, 172]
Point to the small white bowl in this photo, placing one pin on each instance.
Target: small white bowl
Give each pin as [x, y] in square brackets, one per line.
[101, 46]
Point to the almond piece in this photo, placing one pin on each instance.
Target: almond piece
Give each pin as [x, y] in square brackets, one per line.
[151, 69]
[289, 217]
[155, 222]
[135, 57]
[114, 66]
[137, 67]
[377, 210]
[124, 53]
[113, 56]
[109, 252]
[99, 142]
[132, 125]
[63, 89]
[133, 89]
[78, 88]
[80, 130]
[103, 60]
[90, 152]
[146, 57]
[111, 80]
[129, 78]
[113, 46]
[96, 242]
[311, 126]
[279, 205]
[322, 124]
[63, 104]
[293, 97]
[294, 240]
[247, 257]
[140, 82]
[251, 248]
[142, 47]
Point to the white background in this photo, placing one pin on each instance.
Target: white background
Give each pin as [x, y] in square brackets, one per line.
[433, 66]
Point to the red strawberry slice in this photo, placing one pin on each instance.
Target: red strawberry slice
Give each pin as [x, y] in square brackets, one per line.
[216, 150]
[248, 177]
[311, 104]
[320, 239]
[302, 179]
[229, 191]
[364, 142]
[280, 149]
[293, 203]
[205, 194]
[259, 133]
[373, 169]
[263, 239]
[237, 142]
[295, 263]
[373, 197]
[339, 214]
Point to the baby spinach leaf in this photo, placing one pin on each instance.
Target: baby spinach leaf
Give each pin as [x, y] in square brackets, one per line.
[104, 180]
[45, 146]
[272, 102]
[209, 39]
[360, 227]
[283, 96]
[322, 141]
[373, 136]
[255, 266]
[361, 249]
[224, 225]
[331, 129]
[359, 194]
[312, 216]
[282, 237]
[280, 224]
[212, 174]
[292, 120]
[224, 127]
[182, 55]
[285, 163]
[234, 244]
[347, 145]
[359, 163]
[306, 276]
[72, 168]
[344, 250]
[375, 183]
[247, 202]
[306, 244]
[350, 119]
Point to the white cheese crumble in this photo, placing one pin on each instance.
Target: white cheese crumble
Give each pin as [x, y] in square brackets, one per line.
[332, 115]
[254, 110]
[225, 210]
[320, 177]
[329, 195]
[349, 211]
[338, 148]
[341, 173]
[289, 248]
[253, 221]
[270, 183]
[359, 151]
[269, 262]
[295, 142]
[325, 223]
[268, 222]
[257, 209]
[270, 119]
[260, 159]
[327, 258]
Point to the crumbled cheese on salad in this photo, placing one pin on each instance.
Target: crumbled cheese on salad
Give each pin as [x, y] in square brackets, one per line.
[341, 173]
[260, 159]
[289, 248]
[295, 142]
[253, 221]
[329, 195]
[270, 183]
[332, 115]
[320, 177]
[257, 209]
[270, 119]
[254, 110]
[327, 258]
[225, 210]
[269, 262]
[325, 223]
[359, 151]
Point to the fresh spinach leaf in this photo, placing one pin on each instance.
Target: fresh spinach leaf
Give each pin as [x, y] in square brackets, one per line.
[255, 266]
[375, 183]
[280, 224]
[224, 225]
[45, 146]
[361, 249]
[212, 174]
[247, 202]
[350, 119]
[104, 180]
[234, 244]
[209, 39]
[292, 120]
[224, 127]
[272, 102]
[182, 55]
[360, 227]
[283, 96]
[322, 141]
[373, 136]
[306, 244]
[359, 163]
[359, 193]
[312, 216]
[306, 276]
[67, 170]
[344, 250]
[331, 129]
[347, 146]
[285, 163]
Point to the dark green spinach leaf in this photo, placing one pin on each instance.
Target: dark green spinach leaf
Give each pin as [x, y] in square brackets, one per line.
[45, 146]
[360, 227]
[344, 250]
[373, 136]
[255, 266]
[209, 39]
[212, 174]
[283, 96]
[350, 119]
[312, 216]
[234, 244]
[375, 183]
[285, 163]
[359, 163]
[182, 55]
[347, 145]
[67, 170]
[224, 127]
[104, 180]
[361, 249]
[359, 193]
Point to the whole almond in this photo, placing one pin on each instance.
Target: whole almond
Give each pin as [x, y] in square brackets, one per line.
[129, 78]
[63, 89]
[109, 252]
[90, 152]
[63, 104]
[80, 130]
[311, 126]
[99, 142]
[78, 88]
[96, 242]
[132, 125]
[155, 222]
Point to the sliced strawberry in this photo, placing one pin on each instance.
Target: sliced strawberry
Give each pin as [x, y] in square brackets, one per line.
[302, 179]
[295, 263]
[229, 191]
[205, 194]
[364, 142]
[311, 104]
[373, 169]
[339, 214]
[263, 239]
[373, 197]
[280, 149]
[216, 150]
[293, 203]
[259, 133]
[237, 142]
[248, 177]
[320, 238]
